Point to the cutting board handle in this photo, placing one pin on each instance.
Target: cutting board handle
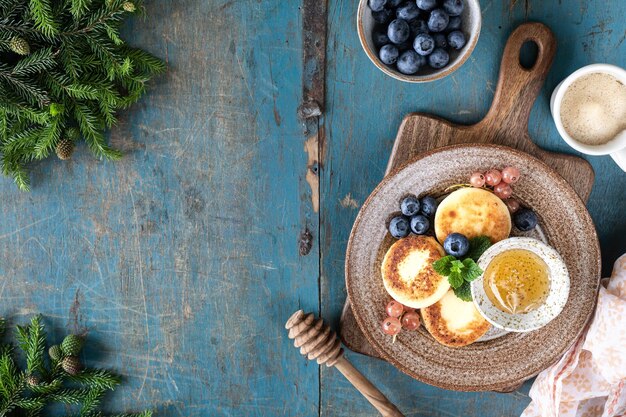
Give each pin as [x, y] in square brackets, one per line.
[518, 87]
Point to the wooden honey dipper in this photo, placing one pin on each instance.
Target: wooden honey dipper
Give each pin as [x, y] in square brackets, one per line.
[317, 341]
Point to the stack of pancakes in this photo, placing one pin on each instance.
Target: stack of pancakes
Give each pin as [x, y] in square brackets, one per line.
[409, 277]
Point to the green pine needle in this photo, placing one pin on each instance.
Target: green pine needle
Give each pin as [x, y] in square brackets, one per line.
[79, 74]
[19, 395]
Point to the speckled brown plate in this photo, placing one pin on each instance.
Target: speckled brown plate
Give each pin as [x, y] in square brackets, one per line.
[508, 360]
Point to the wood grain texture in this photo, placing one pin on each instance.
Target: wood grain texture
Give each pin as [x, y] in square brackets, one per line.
[367, 108]
[182, 261]
[506, 122]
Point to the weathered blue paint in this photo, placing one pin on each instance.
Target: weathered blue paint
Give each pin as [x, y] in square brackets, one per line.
[182, 262]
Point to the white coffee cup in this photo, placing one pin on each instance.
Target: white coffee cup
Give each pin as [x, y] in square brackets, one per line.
[616, 147]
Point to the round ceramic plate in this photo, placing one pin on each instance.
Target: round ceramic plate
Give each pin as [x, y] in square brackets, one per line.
[506, 361]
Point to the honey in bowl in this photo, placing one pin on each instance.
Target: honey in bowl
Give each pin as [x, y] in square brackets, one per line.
[517, 281]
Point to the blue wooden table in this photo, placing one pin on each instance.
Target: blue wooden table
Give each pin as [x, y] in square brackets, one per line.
[183, 261]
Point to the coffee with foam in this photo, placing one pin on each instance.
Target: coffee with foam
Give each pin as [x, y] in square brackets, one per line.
[593, 110]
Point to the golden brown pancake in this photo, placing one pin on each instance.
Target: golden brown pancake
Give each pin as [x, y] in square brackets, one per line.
[473, 212]
[454, 322]
[408, 274]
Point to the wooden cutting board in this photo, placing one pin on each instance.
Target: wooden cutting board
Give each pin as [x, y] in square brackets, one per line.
[506, 123]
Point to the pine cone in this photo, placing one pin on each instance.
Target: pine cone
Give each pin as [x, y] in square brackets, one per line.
[72, 345]
[32, 380]
[71, 365]
[19, 46]
[55, 353]
[65, 149]
[128, 6]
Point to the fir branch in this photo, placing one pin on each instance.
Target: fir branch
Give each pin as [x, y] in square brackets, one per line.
[34, 345]
[50, 136]
[68, 396]
[35, 63]
[70, 68]
[41, 12]
[79, 7]
[97, 378]
[31, 404]
[48, 388]
[91, 401]
[27, 394]
[9, 376]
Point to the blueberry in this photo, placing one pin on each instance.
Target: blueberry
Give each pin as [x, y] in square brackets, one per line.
[388, 54]
[404, 46]
[420, 224]
[456, 245]
[426, 4]
[453, 7]
[380, 39]
[376, 5]
[456, 39]
[438, 59]
[382, 17]
[429, 206]
[525, 219]
[410, 206]
[440, 40]
[424, 44]
[394, 3]
[409, 62]
[399, 227]
[408, 11]
[418, 26]
[398, 31]
[438, 20]
[454, 23]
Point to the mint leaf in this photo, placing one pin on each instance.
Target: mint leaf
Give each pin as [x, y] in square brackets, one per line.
[478, 246]
[442, 266]
[464, 292]
[456, 266]
[455, 279]
[471, 270]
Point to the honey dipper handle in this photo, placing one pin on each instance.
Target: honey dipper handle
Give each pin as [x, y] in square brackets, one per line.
[369, 391]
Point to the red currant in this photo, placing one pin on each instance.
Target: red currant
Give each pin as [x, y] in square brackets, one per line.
[410, 320]
[477, 180]
[510, 175]
[503, 190]
[493, 177]
[394, 309]
[391, 326]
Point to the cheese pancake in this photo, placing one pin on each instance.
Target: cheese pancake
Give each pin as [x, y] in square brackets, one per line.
[408, 273]
[454, 322]
[473, 212]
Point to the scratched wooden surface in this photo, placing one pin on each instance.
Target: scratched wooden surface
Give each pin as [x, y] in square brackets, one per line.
[182, 261]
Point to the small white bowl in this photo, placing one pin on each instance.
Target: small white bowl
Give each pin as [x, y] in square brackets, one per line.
[470, 25]
[616, 147]
[532, 320]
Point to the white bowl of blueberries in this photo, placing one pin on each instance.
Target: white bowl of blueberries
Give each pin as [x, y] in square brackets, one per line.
[418, 40]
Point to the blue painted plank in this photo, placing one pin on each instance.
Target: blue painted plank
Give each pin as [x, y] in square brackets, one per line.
[181, 261]
[365, 108]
